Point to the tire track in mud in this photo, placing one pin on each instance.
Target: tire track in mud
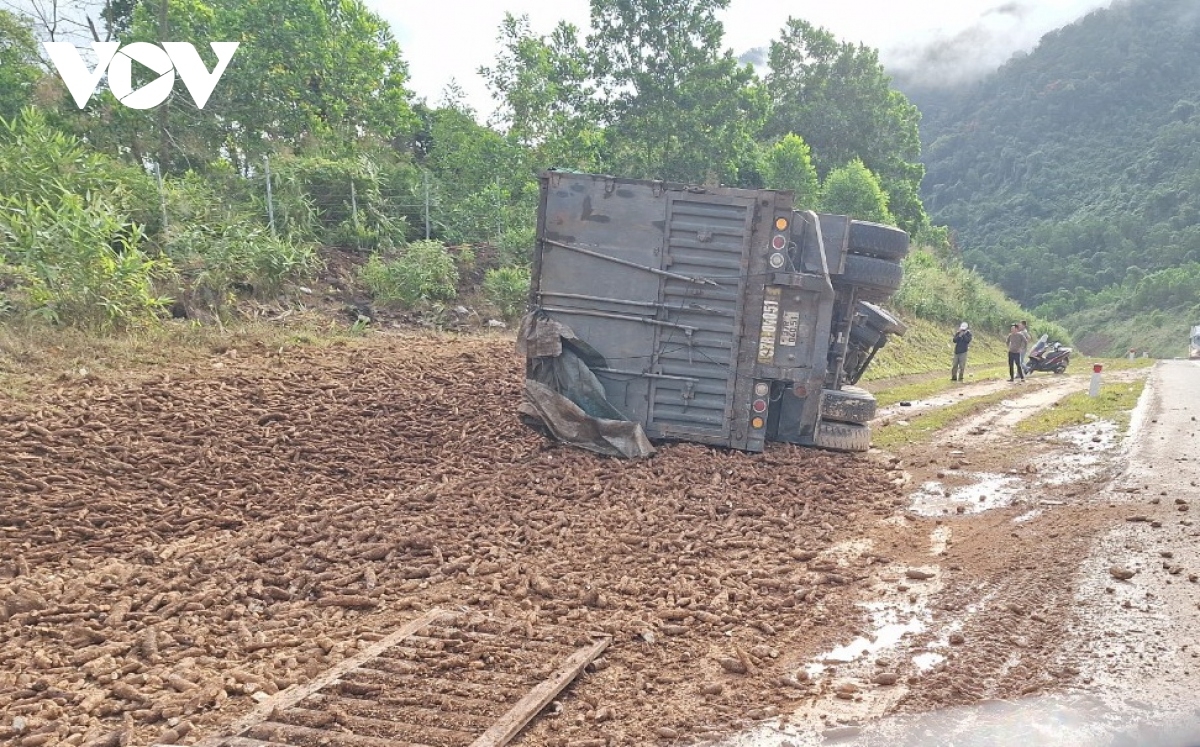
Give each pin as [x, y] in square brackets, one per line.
[179, 547]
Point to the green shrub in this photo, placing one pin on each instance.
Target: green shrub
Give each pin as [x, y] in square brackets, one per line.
[352, 202]
[423, 272]
[508, 289]
[221, 260]
[43, 163]
[78, 261]
[222, 247]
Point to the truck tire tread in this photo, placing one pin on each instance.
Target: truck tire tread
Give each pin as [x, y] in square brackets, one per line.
[876, 279]
[834, 436]
[877, 240]
[847, 405]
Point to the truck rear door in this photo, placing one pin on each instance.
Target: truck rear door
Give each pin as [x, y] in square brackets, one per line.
[652, 277]
[696, 359]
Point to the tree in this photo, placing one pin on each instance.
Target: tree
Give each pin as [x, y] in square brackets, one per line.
[543, 86]
[18, 64]
[788, 165]
[482, 180]
[853, 190]
[837, 97]
[676, 107]
[308, 74]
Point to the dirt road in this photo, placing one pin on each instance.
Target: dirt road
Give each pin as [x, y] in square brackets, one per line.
[177, 545]
[1064, 606]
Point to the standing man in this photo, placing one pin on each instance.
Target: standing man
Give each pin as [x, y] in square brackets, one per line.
[962, 339]
[1016, 346]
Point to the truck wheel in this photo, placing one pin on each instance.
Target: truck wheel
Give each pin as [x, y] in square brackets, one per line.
[842, 436]
[877, 240]
[865, 336]
[876, 279]
[880, 319]
[847, 405]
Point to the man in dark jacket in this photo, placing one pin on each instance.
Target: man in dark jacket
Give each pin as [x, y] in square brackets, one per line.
[962, 340]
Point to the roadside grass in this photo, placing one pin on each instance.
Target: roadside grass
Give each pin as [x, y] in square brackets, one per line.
[1120, 364]
[1115, 403]
[929, 386]
[917, 366]
[922, 426]
[926, 348]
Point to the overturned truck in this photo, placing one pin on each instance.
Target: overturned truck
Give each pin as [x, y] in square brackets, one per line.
[722, 316]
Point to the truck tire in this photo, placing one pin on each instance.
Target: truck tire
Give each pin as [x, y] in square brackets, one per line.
[847, 405]
[880, 319]
[842, 436]
[877, 240]
[865, 337]
[876, 279]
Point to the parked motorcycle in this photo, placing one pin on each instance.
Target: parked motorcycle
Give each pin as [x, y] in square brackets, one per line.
[1046, 356]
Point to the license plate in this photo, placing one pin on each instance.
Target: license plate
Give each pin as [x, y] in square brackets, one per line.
[770, 325]
[791, 328]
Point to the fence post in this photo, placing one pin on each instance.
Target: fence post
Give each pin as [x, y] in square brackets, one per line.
[354, 215]
[270, 202]
[499, 213]
[162, 196]
[425, 178]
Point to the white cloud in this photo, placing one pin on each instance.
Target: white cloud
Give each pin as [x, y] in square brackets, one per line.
[452, 39]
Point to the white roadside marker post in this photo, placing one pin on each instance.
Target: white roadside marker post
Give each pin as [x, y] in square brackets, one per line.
[1094, 390]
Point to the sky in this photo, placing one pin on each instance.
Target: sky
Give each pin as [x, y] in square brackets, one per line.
[946, 41]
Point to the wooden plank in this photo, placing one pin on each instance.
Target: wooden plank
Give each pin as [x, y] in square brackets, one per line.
[234, 742]
[406, 730]
[296, 693]
[511, 723]
[415, 708]
[246, 742]
[274, 730]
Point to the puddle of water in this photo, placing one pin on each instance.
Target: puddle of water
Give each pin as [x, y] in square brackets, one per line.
[891, 622]
[988, 491]
[1085, 436]
[849, 550]
[1070, 468]
[1027, 516]
[925, 662]
[885, 637]
[939, 539]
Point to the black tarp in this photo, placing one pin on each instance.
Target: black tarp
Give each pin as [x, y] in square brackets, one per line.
[563, 396]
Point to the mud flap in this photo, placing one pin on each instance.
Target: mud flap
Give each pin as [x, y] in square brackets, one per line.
[563, 397]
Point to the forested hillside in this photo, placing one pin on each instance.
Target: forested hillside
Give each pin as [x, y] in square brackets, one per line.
[311, 141]
[312, 150]
[1071, 176]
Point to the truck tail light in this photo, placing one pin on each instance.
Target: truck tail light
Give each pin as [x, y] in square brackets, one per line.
[781, 224]
[757, 423]
[778, 243]
[759, 406]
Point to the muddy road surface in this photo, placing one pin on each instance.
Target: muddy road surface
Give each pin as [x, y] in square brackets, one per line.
[180, 545]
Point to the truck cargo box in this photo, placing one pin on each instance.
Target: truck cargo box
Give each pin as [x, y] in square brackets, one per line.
[713, 315]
